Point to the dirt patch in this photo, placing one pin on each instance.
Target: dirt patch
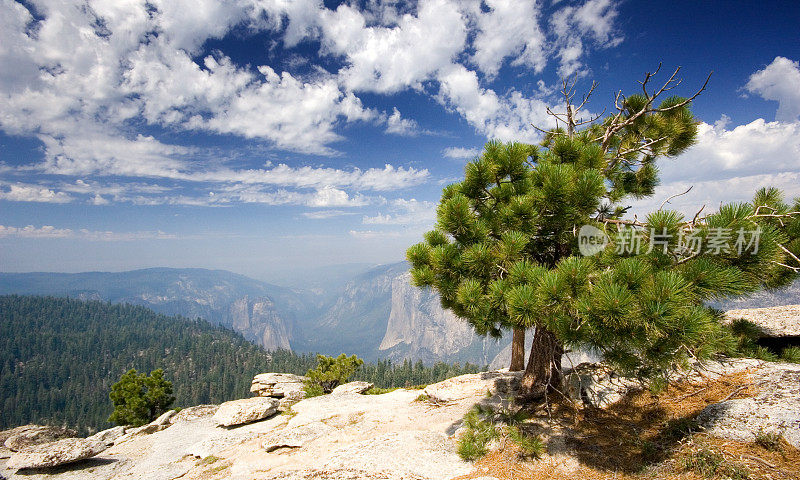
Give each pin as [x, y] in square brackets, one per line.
[645, 436]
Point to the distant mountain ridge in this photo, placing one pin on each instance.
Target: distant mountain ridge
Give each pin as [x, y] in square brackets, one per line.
[263, 313]
[376, 314]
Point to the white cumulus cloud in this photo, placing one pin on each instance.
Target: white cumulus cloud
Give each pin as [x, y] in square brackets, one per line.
[780, 81]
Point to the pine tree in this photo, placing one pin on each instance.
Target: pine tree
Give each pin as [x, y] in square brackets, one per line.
[505, 252]
[139, 399]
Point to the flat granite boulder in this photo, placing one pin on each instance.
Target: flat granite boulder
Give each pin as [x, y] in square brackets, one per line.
[56, 453]
[472, 385]
[108, 436]
[30, 435]
[239, 412]
[774, 409]
[193, 413]
[352, 387]
[296, 437]
[276, 384]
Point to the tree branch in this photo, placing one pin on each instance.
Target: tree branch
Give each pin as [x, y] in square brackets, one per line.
[674, 196]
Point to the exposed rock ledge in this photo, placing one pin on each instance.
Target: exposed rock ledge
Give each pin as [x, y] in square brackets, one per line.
[398, 435]
[783, 321]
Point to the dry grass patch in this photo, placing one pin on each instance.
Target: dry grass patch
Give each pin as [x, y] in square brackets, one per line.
[646, 436]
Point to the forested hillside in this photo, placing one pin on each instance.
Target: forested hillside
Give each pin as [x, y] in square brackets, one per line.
[59, 357]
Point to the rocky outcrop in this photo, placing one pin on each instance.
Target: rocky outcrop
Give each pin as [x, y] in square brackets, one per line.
[404, 434]
[193, 413]
[108, 436]
[276, 385]
[239, 412]
[473, 385]
[52, 454]
[352, 388]
[287, 388]
[774, 409]
[160, 423]
[596, 385]
[296, 437]
[782, 321]
[30, 435]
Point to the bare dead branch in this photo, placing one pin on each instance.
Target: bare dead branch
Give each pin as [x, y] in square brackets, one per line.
[634, 223]
[787, 252]
[696, 215]
[591, 119]
[674, 196]
[587, 95]
[551, 132]
[795, 269]
[688, 100]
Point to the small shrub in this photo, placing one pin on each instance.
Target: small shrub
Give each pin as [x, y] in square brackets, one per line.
[649, 450]
[484, 424]
[529, 446]
[313, 390]
[747, 334]
[762, 353]
[208, 460]
[422, 398]
[769, 440]
[791, 354]
[470, 447]
[680, 428]
[710, 464]
[289, 412]
[705, 462]
[330, 373]
[379, 391]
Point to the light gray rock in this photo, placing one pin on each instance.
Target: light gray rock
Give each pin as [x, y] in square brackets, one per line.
[238, 412]
[403, 455]
[781, 321]
[192, 413]
[287, 401]
[277, 384]
[164, 418]
[296, 437]
[352, 387]
[30, 435]
[473, 385]
[596, 385]
[774, 409]
[108, 436]
[52, 454]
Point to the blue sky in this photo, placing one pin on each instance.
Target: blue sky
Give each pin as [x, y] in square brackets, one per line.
[264, 136]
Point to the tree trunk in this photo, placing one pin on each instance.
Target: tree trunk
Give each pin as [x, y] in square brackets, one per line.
[518, 350]
[544, 365]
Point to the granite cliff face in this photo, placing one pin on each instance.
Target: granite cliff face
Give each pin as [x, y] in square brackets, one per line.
[355, 321]
[380, 315]
[419, 328]
[258, 318]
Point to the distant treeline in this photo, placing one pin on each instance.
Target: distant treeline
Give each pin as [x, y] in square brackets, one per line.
[59, 358]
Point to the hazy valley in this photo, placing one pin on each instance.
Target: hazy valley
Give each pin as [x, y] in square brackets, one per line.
[375, 314]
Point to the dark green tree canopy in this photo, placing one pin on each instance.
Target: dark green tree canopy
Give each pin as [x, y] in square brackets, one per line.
[330, 373]
[505, 249]
[139, 399]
